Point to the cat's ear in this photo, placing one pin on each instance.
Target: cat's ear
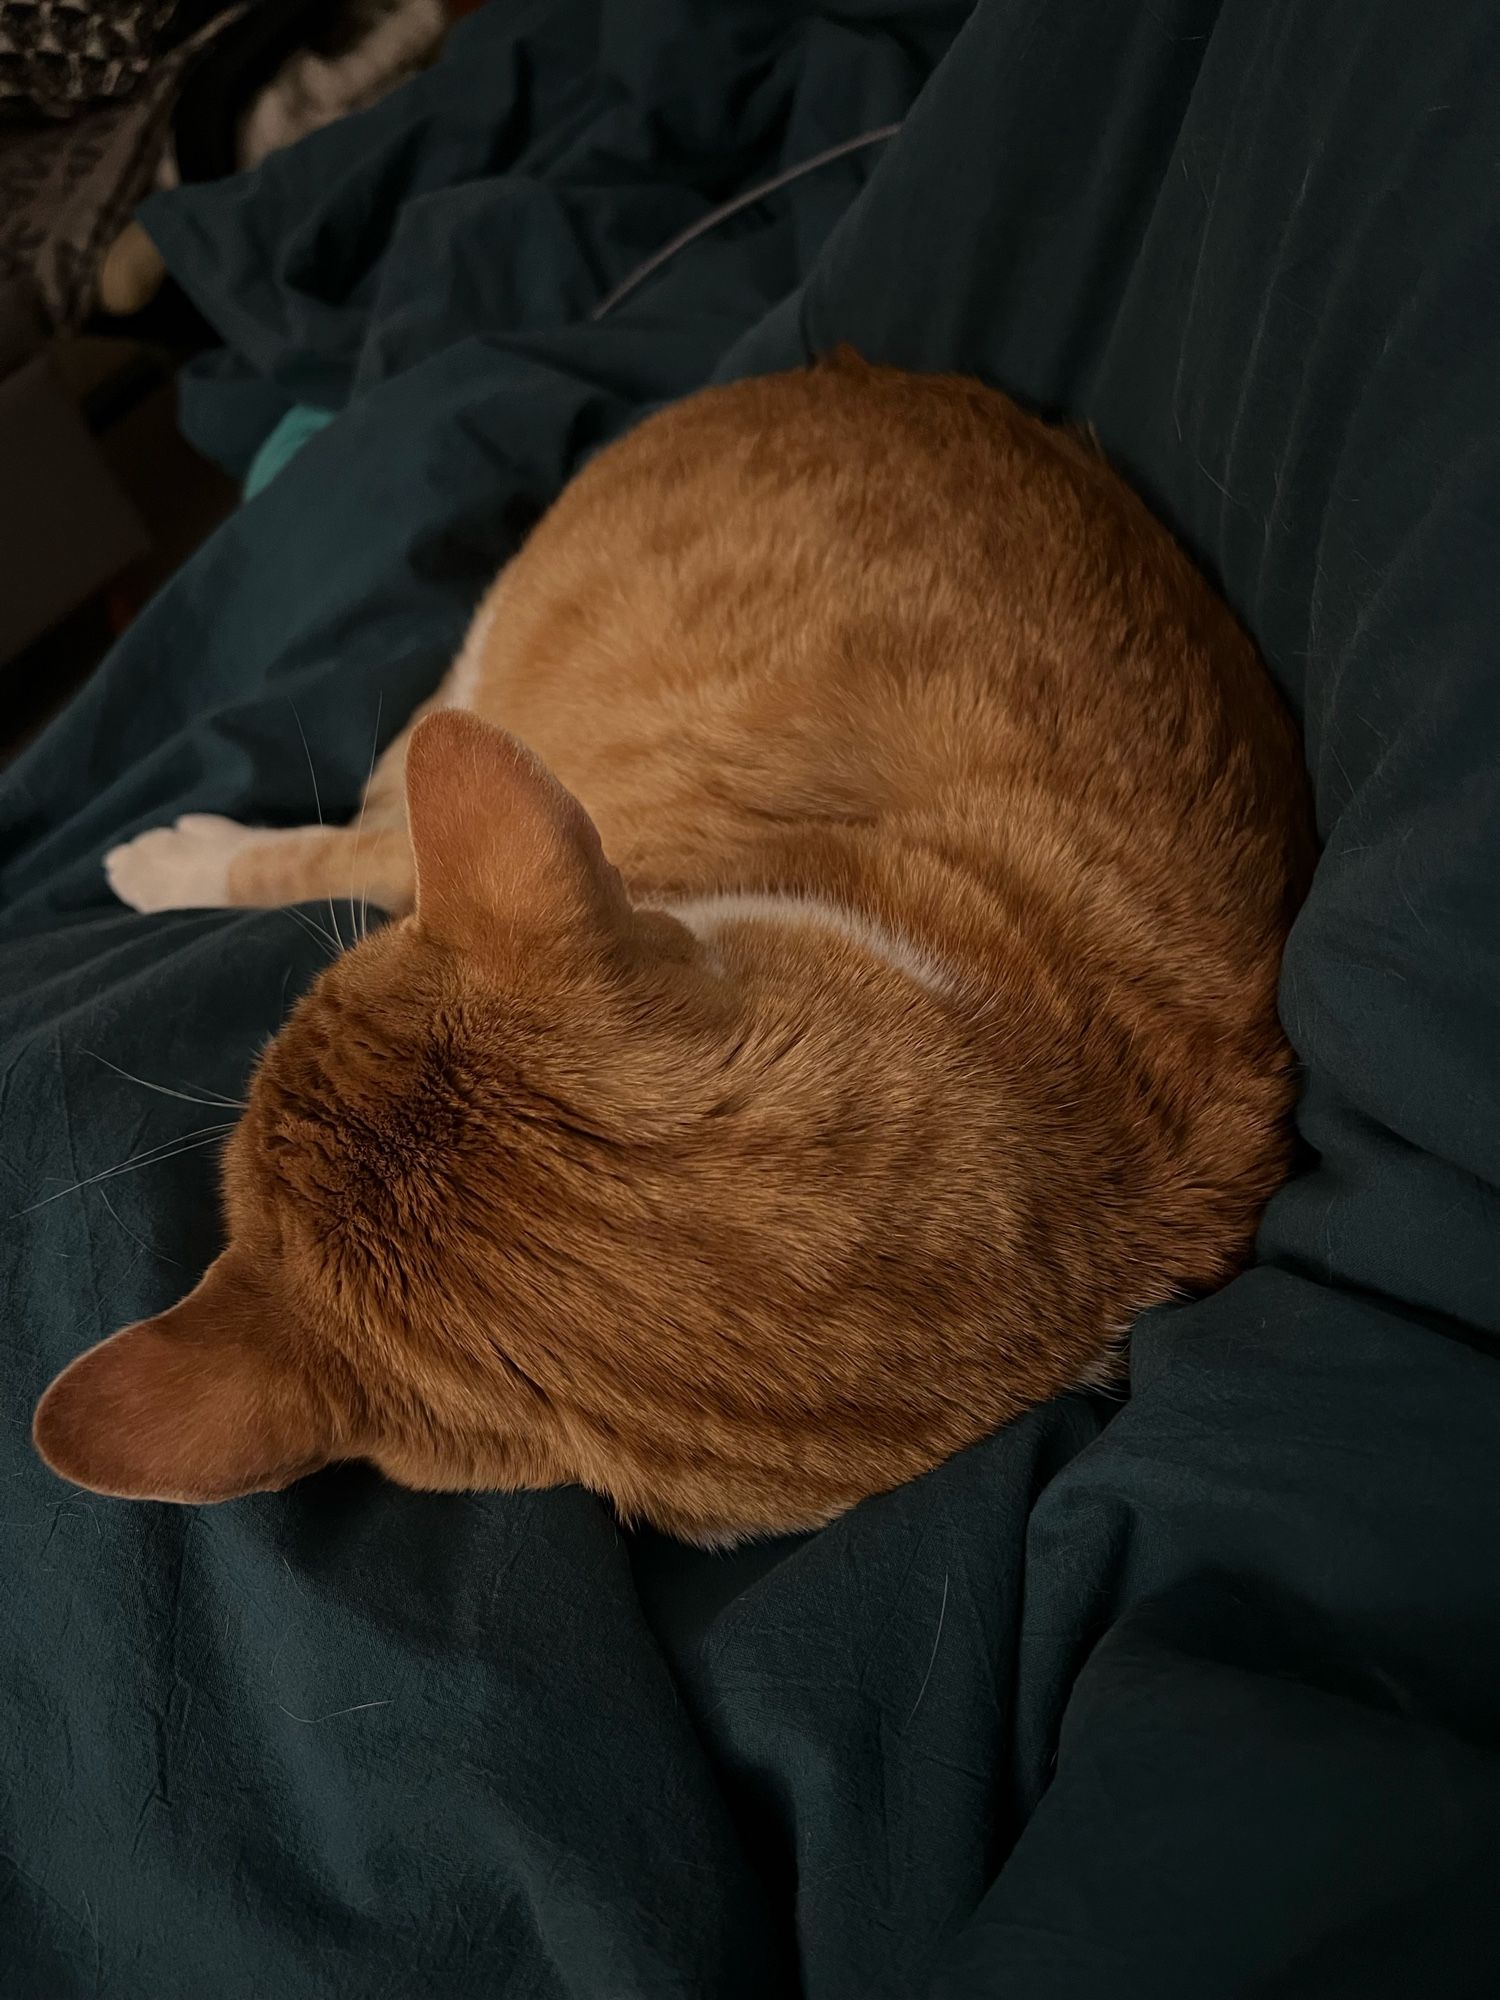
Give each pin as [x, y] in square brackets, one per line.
[501, 848]
[189, 1406]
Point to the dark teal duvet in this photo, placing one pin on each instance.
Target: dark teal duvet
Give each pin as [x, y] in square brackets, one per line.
[1193, 1697]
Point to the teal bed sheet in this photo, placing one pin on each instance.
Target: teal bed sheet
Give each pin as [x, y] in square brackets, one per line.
[1185, 1697]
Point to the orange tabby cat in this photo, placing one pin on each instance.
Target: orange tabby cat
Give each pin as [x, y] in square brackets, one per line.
[865, 1009]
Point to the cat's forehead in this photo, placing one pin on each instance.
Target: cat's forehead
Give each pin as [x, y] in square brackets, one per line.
[377, 1020]
[363, 1099]
[404, 1093]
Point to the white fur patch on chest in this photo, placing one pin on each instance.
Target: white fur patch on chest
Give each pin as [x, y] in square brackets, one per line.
[705, 916]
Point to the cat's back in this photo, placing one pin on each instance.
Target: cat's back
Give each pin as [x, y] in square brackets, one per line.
[850, 592]
[885, 645]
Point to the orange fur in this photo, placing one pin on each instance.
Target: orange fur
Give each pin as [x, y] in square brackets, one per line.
[739, 1219]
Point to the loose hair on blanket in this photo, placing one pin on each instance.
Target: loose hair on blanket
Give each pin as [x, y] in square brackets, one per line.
[839, 894]
[771, 185]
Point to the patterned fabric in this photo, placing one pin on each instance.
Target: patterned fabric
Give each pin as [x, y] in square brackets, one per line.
[58, 56]
[68, 189]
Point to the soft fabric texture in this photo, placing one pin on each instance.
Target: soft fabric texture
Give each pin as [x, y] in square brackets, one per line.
[1189, 1698]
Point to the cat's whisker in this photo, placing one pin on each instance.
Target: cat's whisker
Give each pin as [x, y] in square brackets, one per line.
[186, 1142]
[134, 1235]
[361, 927]
[213, 1099]
[318, 803]
[311, 925]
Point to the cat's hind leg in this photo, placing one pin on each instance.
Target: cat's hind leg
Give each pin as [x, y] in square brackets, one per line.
[205, 862]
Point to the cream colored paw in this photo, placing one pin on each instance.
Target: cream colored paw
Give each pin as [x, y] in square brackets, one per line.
[180, 867]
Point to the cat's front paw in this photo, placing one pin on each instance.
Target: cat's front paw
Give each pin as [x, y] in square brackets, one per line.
[180, 867]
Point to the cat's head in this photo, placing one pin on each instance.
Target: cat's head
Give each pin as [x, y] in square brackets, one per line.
[533, 1187]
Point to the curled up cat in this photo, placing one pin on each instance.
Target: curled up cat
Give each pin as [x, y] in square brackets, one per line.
[838, 895]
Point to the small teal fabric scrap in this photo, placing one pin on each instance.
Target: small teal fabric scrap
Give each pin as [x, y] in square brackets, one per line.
[298, 425]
